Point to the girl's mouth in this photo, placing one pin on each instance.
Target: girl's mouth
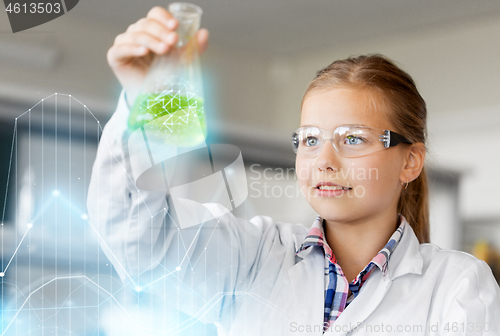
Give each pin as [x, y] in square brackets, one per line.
[332, 187]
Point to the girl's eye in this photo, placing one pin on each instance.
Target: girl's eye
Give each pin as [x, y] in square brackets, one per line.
[311, 141]
[354, 140]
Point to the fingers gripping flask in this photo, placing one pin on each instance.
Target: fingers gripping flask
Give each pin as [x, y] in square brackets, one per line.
[167, 118]
[171, 99]
[167, 149]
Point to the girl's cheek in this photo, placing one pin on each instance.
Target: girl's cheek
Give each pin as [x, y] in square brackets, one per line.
[362, 174]
[373, 176]
[303, 171]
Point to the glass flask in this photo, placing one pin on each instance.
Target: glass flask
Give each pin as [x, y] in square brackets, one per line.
[171, 101]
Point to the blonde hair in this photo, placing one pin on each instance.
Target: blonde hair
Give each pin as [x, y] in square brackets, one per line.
[406, 110]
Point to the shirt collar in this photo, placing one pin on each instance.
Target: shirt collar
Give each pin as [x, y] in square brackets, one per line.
[315, 237]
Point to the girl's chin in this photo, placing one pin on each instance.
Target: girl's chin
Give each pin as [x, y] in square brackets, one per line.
[332, 210]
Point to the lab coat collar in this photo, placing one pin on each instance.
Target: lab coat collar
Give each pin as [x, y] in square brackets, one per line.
[307, 280]
[406, 257]
[316, 235]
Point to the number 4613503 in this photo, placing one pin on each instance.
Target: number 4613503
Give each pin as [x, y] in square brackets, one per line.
[34, 8]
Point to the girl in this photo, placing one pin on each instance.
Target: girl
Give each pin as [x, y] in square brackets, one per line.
[365, 266]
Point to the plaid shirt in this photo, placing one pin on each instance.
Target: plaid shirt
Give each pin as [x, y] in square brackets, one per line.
[336, 286]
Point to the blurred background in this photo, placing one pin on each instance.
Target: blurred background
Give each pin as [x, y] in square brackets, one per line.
[262, 54]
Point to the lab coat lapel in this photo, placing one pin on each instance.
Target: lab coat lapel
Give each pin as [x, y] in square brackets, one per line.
[308, 283]
[370, 296]
[405, 259]
[307, 279]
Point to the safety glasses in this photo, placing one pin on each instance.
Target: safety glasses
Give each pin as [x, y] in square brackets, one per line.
[349, 140]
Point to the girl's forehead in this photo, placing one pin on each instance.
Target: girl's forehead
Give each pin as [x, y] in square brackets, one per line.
[340, 106]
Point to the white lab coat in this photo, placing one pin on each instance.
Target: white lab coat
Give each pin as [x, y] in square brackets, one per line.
[243, 275]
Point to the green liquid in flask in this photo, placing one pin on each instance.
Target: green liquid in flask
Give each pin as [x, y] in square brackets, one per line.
[178, 119]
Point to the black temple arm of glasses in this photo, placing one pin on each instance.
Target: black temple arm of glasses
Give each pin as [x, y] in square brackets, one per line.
[392, 139]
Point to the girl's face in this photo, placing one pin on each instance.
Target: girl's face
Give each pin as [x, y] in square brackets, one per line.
[375, 178]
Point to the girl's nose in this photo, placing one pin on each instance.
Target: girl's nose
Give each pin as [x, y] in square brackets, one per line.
[328, 158]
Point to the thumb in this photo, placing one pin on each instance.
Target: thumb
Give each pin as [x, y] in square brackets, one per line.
[202, 39]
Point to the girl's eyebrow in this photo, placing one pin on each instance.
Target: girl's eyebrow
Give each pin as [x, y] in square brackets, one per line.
[362, 125]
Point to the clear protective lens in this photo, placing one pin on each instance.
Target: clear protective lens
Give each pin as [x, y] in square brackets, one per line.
[307, 141]
[357, 141]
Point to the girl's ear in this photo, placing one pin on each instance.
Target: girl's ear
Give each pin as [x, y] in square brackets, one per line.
[414, 162]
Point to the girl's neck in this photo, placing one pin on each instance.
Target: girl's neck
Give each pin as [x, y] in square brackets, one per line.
[355, 243]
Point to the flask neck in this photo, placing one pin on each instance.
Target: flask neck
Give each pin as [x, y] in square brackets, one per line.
[189, 17]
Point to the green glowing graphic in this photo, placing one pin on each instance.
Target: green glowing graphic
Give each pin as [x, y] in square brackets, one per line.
[179, 118]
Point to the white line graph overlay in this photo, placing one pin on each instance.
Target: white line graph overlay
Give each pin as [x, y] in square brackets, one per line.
[46, 194]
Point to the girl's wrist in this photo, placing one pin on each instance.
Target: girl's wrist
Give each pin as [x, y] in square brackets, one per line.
[127, 101]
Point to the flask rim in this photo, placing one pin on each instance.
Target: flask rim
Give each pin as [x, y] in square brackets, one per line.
[184, 7]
